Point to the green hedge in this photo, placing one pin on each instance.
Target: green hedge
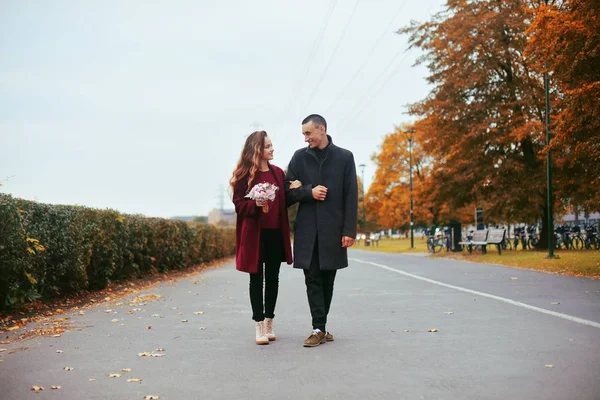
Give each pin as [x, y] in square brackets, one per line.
[48, 251]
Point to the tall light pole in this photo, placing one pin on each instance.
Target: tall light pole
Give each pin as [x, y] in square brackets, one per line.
[412, 229]
[550, 195]
[362, 183]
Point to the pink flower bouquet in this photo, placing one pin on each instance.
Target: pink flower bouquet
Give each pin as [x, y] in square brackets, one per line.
[263, 192]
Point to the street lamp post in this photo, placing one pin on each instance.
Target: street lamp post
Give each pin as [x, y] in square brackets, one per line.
[550, 195]
[412, 233]
[362, 184]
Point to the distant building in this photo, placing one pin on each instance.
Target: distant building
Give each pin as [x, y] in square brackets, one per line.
[589, 219]
[217, 216]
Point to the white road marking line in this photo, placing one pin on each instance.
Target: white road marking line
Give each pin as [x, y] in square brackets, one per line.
[490, 296]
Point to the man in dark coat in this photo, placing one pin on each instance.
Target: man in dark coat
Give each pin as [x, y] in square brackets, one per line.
[327, 217]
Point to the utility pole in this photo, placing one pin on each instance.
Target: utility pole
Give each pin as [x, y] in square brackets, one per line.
[550, 195]
[412, 223]
[362, 182]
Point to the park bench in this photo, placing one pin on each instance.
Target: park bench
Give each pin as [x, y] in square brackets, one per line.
[375, 239]
[483, 238]
[479, 239]
[495, 236]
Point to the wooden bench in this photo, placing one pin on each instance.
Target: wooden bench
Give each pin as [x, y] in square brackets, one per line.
[495, 236]
[479, 239]
[376, 239]
[484, 238]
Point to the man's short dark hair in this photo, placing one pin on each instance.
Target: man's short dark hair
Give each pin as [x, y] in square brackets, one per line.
[315, 119]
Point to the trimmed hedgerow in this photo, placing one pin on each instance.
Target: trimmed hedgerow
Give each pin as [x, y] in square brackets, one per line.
[48, 251]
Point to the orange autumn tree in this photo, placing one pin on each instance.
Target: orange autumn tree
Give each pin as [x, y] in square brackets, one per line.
[484, 114]
[388, 198]
[565, 40]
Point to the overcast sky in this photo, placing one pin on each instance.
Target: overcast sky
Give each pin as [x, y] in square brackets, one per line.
[144, 106]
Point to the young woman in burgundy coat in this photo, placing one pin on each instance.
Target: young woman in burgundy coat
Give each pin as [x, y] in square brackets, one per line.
[262, 230]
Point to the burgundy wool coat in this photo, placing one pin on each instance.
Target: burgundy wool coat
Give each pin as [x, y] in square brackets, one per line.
[247, 228]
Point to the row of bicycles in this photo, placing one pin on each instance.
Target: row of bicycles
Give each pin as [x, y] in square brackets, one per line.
[526, 237]
[565, 237]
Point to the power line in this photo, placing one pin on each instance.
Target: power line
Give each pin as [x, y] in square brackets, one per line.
[313, 52]
[368, 58]
[333, 54]
[351, 116]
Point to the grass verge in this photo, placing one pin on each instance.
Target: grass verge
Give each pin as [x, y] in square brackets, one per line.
[570, 262]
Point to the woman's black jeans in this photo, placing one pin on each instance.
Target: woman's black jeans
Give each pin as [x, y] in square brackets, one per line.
[271, 255]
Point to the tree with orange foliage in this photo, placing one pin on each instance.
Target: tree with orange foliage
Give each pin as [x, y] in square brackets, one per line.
[388, 199]
[565, 41]
[482, 122]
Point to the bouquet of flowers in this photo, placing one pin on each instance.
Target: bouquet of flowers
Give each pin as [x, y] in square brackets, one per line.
[263, 192]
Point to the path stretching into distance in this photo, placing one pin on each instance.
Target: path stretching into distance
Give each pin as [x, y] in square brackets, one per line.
[502, 333]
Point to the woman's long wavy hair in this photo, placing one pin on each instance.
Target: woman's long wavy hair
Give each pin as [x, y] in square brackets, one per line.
[250, 159]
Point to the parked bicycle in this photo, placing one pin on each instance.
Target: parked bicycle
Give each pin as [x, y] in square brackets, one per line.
[434, 244]
[591, 240]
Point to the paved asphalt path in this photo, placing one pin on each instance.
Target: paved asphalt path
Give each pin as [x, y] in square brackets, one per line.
[496, 338]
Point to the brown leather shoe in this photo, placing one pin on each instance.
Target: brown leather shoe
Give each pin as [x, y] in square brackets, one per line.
[329, 337]
[315, 339]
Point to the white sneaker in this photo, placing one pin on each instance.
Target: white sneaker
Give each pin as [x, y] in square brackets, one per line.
[261, 338]
[269, 329]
